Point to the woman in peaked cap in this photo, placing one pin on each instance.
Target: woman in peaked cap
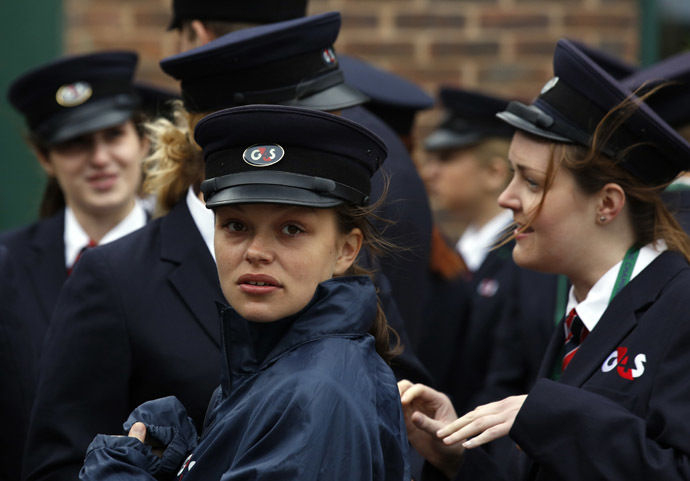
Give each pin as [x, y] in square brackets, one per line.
[590, 162]
[82, 114]
[306, 393]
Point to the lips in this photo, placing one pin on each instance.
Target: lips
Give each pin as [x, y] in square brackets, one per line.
[102, 181]
[258, 284]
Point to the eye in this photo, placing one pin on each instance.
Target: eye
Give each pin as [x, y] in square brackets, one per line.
[234, 226]
[292, 229]
[75, 145]
[114, 133]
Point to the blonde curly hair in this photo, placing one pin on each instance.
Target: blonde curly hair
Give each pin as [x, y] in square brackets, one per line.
[176, 161]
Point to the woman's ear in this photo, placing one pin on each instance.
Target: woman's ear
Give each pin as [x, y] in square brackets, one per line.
[611, 202]
[45, 163]
[350, 245]
[203, 34]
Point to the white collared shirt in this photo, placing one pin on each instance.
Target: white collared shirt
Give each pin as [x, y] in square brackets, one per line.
[76, 238]
[474, 244]
[593, 306]
[203, 218]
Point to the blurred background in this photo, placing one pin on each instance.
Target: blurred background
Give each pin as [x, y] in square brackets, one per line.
[498, 46]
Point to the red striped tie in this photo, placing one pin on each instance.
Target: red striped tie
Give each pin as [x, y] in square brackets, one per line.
[87, 246]
[575, 334]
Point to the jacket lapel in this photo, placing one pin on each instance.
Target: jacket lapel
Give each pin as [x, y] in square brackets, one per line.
[619, 319]
[46, 269]
[195, 277]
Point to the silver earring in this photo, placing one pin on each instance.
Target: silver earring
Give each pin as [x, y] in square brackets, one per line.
[602, 219]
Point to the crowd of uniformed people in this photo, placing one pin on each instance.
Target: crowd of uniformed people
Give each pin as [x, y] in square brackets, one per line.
[244, 280]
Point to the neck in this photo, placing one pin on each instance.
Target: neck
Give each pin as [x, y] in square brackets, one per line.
[97, 224]
[607, 257]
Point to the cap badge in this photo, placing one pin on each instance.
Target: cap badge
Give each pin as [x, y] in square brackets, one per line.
[549, 85]
[263, 155]
[329, 56]
[73, 94]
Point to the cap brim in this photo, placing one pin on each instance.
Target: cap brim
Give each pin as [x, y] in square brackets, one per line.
[442, 139]
[271, 194]
[525, 125]
[87, 119]
[337, 97]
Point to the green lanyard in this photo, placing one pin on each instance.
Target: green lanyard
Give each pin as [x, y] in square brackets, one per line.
[624, 276]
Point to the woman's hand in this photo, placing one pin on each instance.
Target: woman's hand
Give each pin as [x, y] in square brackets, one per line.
[484, 424]
[426, 411]
[138, 430]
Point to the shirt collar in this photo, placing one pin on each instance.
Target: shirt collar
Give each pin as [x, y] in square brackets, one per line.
[203, 218]
[76, 238]
[474, 244]
[593, 306]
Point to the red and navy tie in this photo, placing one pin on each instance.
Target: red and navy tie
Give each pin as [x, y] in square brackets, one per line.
[87, 246]
[575, 334]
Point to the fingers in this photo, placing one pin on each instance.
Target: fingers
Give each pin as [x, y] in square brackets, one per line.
[138, 431]
[403, 386]
[414, 392]
[425, 423]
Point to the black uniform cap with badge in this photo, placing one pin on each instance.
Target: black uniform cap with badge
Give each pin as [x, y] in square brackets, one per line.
[578, 97]
[286, 155]
[470, 117]
[287, 63]
[392, 98]
[256, 11]
[76, 95]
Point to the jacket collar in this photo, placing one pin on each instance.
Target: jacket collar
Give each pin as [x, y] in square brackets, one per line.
[47, 267]
[341, 307]
[616, 323]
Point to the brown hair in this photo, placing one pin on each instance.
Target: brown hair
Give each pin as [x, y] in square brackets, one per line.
[176, 161]
[349, 217]
[592, 170]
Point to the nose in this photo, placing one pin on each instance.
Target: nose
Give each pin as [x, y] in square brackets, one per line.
[429, 170]
[100, 152]
[259, 250]
[508, 198]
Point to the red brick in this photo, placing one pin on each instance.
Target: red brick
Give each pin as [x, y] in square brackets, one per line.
[359, 21]
[374, 49]
[594, 20]
[513, 20]
[430, 21]
[465, 49]
[503, 73]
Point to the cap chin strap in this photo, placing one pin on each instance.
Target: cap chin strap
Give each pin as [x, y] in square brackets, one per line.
[319, 185]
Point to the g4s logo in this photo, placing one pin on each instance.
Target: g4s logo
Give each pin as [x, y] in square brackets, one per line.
[619, 360]
[263, 155]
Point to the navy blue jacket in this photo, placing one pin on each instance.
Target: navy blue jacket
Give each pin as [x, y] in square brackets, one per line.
[303, 398]
[620, 409]
[17, 372]
[407, 206]
[136, 321]
[39, 253]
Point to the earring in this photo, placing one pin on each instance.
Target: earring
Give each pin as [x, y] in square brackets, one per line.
[602, 219]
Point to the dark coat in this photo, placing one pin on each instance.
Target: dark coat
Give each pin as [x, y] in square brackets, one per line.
[303, 398]
[17, 372]
[136, 321]
[38, 251]
[620, 410]
[407, 206]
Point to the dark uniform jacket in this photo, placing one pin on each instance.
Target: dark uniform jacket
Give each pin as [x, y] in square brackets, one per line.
[17, 372]
[39, 253]
[136, 321]
[306, 397]
[407, 206]
[620, 409]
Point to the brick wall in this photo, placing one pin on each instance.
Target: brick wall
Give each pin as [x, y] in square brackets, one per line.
[500, 46]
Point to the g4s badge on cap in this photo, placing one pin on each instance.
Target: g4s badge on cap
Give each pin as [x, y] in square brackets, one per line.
[329, 56]
[73, 94]
[263, 155]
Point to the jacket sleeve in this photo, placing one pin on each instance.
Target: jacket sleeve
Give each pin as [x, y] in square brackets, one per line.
[577, 434]
[84, 369]
[114, 458]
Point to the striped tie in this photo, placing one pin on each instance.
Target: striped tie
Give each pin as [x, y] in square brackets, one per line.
[575, 334]
[87, 246]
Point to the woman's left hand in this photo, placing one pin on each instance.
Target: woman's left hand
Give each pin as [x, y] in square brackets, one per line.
[138, 430]
[485, 424]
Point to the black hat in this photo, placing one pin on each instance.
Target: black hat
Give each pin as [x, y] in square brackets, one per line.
[256, 11]
[288, 63]
[614, 66]
[571, 105]
[156, 101]
[470, 118]
[672, 101]
[76, 95]
[393, 99]
[286, 155]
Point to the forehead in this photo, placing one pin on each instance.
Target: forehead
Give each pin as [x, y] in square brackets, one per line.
[530, 152]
